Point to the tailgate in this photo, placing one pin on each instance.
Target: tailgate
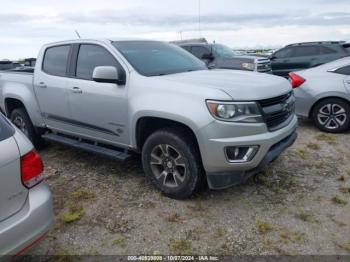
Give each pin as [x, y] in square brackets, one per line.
[12, 193]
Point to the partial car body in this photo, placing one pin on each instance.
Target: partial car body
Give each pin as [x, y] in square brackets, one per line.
[323, 95]
[26, 211]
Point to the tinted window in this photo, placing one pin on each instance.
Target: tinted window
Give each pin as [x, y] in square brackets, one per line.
[284, 53]
[327, 50]
[199, 51]
[306, 51]
[187, 48]
[343, 70]
[55, 60]
[91, 56]
[153, 58]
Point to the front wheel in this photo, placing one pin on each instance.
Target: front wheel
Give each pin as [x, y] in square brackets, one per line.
[332, 115]
[171, 160]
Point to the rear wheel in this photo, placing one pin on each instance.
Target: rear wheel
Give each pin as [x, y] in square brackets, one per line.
[19, 117]
[332, 115]
[171, 161]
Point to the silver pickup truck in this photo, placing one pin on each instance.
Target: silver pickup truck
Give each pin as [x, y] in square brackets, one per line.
[191, 125]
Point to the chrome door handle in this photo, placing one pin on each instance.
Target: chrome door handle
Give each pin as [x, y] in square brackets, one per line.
[77, 90]
[42, 85]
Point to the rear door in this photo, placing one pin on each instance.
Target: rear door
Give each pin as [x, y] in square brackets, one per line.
[305, 56]
[12, 193]
[99, 110]
[50, 85]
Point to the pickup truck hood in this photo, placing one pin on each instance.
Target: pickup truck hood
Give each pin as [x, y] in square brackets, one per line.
[240, 85]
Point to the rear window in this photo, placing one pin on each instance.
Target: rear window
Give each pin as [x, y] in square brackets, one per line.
[56, 60]
[343, 70]
[6, 130]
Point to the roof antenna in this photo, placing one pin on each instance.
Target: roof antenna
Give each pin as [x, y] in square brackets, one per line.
[76, 31]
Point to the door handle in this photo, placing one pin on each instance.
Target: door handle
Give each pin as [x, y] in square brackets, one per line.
[77, 90]
[42, 85]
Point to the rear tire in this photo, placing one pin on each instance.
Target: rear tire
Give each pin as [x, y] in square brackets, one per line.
[19, 117]
[172, 162]
[332, 115]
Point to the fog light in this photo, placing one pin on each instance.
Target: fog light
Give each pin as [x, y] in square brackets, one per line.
[240, 154]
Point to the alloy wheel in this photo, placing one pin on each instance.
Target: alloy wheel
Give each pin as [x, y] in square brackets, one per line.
[332, 116]
[168, 165]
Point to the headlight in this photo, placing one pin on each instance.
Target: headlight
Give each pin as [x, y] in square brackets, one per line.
[247, 112]
[248, 66]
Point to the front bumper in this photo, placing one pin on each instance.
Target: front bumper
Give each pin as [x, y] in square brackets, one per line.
[28, 225]
[220, 172]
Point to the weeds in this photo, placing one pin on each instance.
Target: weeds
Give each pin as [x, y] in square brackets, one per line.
[263, 226]
[313, 146]
[339, 201]
[180, 247]
[120, 241]
[73, 214]
[307, 216]
[326, 138]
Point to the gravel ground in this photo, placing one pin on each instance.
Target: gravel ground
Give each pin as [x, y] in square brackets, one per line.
[298, 205]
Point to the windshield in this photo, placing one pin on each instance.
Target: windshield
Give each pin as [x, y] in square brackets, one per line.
[153, 58]
[223, 51]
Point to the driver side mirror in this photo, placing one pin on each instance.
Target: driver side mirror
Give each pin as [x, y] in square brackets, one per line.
[107, 74]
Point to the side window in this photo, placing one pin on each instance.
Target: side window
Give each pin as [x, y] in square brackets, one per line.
[199, 51]
[326, 50]
[187, 48]
[55, 60]
[301, 51]
[284, 53]
[343, 70]
[91, 56]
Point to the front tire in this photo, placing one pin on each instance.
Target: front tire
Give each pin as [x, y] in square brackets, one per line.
[171, 161]
[332, 115]
[19, 117]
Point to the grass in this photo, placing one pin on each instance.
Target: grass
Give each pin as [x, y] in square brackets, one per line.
[263, 226]
[291, 236]
[307, 216]
[302, 153]
[326, 138]
[180, 247]
[339, 201]
[345, 246]
[120, 241]
[73, 214]
[341, 178]
[173, 218]
[80, 195]
[313, 146]
[345, 190]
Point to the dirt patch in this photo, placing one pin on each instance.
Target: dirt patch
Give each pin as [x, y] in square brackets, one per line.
[298, 205]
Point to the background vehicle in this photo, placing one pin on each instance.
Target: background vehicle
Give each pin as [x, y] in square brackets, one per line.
[306, 55]
[323, 94]
[221, 56]
[26, 212]
[113, 97]
[6, 65]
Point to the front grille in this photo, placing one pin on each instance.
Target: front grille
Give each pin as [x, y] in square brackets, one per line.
[277, 111]
[264, 66]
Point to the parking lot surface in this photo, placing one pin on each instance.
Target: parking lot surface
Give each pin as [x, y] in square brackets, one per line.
[298, 205]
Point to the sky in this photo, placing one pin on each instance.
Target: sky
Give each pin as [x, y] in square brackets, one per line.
[25, 25]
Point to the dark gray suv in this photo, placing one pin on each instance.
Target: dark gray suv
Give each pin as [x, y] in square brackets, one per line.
[301, 56]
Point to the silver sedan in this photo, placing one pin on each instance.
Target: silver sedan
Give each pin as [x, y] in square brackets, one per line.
[323, 95]
[26, 212]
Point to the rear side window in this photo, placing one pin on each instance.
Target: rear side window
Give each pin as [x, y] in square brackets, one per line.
[56, 60]
[343, 70]
[91, 56]
[300, 51]
[199, 51]
[6, 130]
[327, 50]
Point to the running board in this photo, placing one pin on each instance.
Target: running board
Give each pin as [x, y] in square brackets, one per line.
[94, 147]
